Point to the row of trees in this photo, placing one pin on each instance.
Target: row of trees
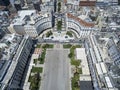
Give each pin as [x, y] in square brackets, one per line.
[59, 6]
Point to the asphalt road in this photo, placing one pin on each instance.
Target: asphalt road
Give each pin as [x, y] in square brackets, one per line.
[56, 70]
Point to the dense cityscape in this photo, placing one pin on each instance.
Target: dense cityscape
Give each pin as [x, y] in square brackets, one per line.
[59, 45]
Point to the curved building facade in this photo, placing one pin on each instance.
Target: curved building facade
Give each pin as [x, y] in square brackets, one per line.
[40, 24]
[43, 23]
[82, 28]
[30, 22]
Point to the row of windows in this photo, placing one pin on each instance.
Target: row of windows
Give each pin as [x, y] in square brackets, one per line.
[29, 28]
[84, 33]
[19, 70]
[40, 26]
[42, 19]
[32, 33]
[20, 67]
[72, 22]
[42, 22]
[117, 61]
[43, 27]
[73, 26]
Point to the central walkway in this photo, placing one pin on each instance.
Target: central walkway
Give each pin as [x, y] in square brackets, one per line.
[56, 70]
[58, 46]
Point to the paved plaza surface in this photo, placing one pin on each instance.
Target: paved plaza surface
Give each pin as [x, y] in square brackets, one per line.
[56, 70]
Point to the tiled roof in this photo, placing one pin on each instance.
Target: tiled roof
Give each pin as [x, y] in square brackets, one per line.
[82, 22]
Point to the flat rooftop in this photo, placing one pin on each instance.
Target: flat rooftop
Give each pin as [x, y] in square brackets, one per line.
[19, 20]
[8, 68]
[81, 55]
[8, 46]
[86, 85]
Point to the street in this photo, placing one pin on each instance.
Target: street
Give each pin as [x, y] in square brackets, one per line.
[56, 70]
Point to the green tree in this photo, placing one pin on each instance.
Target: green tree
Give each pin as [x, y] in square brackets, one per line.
[70, 55]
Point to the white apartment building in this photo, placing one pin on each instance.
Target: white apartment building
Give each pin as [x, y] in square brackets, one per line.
[103, 50]
[31, 23]
[113, 51]
[14, 53]
[81, 27]
[106, 2]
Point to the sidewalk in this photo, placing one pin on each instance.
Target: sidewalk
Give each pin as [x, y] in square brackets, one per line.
[27, 84]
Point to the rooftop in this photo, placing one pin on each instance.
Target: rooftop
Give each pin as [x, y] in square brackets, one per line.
[75, 2]
[8, 47]
[8, 44]
[15, 44]
[27, 17]
[107, 1]
[86, 85]
[81, 55]
[21, 15]
[82, 22]
[4, 21]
